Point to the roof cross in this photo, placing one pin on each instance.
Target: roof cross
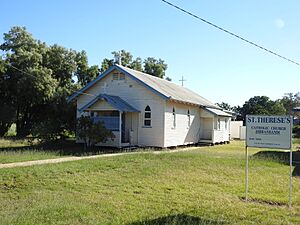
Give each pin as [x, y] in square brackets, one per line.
[182, 80]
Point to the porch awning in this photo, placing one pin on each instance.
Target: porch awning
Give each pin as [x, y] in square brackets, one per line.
[115, 101]
[297, 109]
[217, 112]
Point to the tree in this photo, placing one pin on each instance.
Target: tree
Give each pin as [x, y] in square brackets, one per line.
[122, 56]
[92, 133]
[84, 73]
[106, 63]
[290, 101]
[262, 105]
[7, 112]
[27, 82]
[35, 81]
[225, 106]
[152, 66]
[125, 58]
[155, 67]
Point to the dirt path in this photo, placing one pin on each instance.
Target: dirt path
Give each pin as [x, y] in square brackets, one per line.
[74, 158]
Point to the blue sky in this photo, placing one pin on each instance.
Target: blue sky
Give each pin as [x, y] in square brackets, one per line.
[215, 65]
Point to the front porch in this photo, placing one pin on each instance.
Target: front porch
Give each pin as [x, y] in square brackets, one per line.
[117, 116]
[214, 125]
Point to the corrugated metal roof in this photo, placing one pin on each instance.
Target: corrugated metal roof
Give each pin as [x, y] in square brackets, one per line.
[218, 112]
[115, 101]
[161, 87]
[169, 89]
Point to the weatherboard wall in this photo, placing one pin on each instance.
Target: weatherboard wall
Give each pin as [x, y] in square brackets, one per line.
[182, 133]
[138, 96]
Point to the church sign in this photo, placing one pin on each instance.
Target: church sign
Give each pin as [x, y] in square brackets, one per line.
[269, 131]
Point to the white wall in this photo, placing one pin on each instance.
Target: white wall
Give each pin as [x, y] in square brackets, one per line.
[102, 105]
[243, 132]
[137, 96]
[222, 133]
[181, 134]
[235, 129]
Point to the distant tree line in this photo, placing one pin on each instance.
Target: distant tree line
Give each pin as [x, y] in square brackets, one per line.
[263, 105]
[151, 65]
[36, 79]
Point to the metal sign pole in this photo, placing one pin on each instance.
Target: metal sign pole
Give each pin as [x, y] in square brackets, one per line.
[291, 177]
[246, 191]
[291, 164]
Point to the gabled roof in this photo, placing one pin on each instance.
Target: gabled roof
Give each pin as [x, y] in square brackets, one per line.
[163, 88]
[115, 101]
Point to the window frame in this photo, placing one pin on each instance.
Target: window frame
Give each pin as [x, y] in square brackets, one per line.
[174, 118]
[219, 124]
[148, 118]
[115, 76]
[189, 118]
[122, 76]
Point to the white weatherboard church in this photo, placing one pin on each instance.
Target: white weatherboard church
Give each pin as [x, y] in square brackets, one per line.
[143, 110]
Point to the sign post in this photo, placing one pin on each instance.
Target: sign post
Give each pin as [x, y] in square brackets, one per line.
[246, 182]
[269, 132]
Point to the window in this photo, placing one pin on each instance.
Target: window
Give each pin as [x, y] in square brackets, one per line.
[122, 77]
[189, 118]
[147, 117]
[219, 124]
[115, 76]
[174, 118]
[118, 76]
[226, 123]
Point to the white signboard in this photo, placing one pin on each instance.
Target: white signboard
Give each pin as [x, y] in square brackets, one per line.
[269, 131]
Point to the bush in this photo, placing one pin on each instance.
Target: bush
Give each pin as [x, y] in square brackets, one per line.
[91, 132]
[296, 131]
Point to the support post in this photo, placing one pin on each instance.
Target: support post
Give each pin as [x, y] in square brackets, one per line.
[291, 164]
[291, 177]
[120, 129]
[246, 172]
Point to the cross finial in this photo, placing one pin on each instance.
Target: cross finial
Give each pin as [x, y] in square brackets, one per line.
[182, 81]
[118, 58]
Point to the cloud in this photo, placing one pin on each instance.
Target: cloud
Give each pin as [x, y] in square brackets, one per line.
[279, 23]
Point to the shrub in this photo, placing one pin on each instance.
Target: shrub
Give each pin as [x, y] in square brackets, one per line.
[92, 132]
[296, 131]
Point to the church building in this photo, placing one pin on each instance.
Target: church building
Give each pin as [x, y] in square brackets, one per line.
[144, 110]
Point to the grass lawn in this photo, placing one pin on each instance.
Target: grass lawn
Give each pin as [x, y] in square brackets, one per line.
[15, 150]
[12, 150]
[202, 186]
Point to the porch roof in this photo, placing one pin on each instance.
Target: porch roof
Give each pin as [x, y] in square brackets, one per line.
[217, 112]
[115, 101]
[296, 109]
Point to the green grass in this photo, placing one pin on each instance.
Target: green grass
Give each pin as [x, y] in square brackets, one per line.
[202, 186]
[14, 150]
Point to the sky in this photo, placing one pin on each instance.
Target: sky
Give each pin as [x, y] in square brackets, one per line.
[214, 64]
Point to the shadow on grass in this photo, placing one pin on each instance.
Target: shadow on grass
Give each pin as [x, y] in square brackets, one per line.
[66, 147]
[261, 201]
[179, 219]
[281, 157]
